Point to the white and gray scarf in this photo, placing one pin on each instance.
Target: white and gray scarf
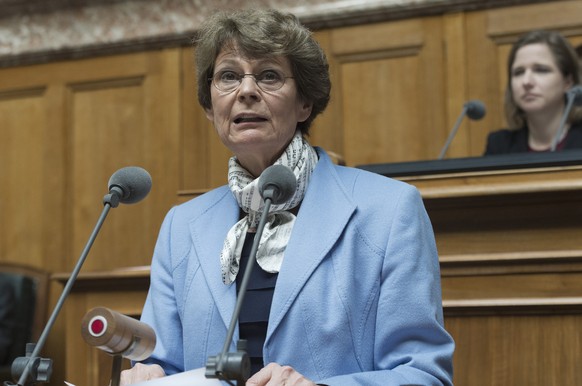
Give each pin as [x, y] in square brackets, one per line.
[301, 158]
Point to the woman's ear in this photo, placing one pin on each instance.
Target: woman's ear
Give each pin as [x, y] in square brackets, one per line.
[304, 112]
[209, 114]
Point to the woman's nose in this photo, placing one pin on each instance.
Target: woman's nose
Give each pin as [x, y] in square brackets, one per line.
[248, 88]
[528, 78]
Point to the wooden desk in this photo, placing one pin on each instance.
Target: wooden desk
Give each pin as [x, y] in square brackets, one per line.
[122, 290]
[510, 245]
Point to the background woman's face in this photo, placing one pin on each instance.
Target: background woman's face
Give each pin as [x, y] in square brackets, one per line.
[537, 83]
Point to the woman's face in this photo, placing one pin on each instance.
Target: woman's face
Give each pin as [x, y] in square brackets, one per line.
[256, 125]
[536, 81]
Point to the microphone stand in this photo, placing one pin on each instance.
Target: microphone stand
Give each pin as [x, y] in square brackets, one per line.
[570, 98]
[236, 366]
[116, 370]
[29, 365]
[453, 132]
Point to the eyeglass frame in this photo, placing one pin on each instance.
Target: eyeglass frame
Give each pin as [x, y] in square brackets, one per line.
[244, 75]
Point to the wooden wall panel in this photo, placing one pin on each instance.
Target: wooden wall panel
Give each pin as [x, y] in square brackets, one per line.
[66, 127]
[87, 365]
[205, 158]
[121, 290]
[116, 118]
[391, 89]
[455, 57]
[31, 165]
[22, 117]
[517, 349]
[326, 129]
[107, 121]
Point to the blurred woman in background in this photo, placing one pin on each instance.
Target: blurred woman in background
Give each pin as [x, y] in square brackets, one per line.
[542, 66]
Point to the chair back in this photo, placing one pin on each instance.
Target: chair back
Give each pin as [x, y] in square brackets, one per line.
[25, 294]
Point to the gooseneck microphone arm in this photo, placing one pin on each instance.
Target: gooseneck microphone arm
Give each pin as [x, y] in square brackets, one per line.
[475, 110]
[276, 185]
[41, 341]
[573, 96]
[139, 187]
[225, 358]
[453, 133]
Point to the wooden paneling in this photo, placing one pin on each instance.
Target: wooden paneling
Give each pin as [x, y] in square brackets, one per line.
[205, 159]
[456, 203]
[122, 290]
[516, 349]
[556, 15]
[386, 107]
[511, 267]
[66, 127]
[397, 90]
[126, 114]
[22, 175]
[326, 128]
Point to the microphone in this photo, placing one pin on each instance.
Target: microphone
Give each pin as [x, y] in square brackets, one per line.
[573, 97]
[277, 184]
[130, 185]
[475, 110]
[118, 334]
[576, 94]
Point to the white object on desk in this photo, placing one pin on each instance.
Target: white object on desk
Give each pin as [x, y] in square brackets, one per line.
[188, 378]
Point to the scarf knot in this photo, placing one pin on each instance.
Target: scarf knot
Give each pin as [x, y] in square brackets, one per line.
[301, 158]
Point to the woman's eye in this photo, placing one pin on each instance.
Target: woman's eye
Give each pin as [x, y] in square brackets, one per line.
[269, 76]
[228, 76]
[517, 72]
[542, 69]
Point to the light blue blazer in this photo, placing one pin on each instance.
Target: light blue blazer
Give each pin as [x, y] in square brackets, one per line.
[358, 297]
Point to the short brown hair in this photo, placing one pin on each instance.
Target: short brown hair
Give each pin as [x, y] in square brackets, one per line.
[265, 33]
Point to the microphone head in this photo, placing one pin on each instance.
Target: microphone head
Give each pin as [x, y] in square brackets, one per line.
[278, 183]
[118, 334]
[134, 182]
[575, 93]
[475, 109]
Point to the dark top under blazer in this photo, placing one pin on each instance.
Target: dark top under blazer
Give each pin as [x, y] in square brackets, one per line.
[506, 141]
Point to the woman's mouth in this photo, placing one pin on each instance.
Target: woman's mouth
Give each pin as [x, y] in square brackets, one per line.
[249, 119]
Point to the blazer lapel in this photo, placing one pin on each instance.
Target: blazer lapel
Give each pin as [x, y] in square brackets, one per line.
[208, 229]
[324, 213]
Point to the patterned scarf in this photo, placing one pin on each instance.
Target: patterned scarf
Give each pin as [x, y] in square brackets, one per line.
[301, 158]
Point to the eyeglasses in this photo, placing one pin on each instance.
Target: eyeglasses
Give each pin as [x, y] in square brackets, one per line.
[269, 80]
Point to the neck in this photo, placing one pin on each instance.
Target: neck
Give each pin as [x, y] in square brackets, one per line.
[256, 164]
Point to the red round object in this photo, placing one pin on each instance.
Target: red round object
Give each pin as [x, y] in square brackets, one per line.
[97, 326]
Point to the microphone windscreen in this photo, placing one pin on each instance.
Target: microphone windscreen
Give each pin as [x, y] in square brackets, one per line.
[134, 181]
[278, 183]
[475, 109]
[576, 93]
